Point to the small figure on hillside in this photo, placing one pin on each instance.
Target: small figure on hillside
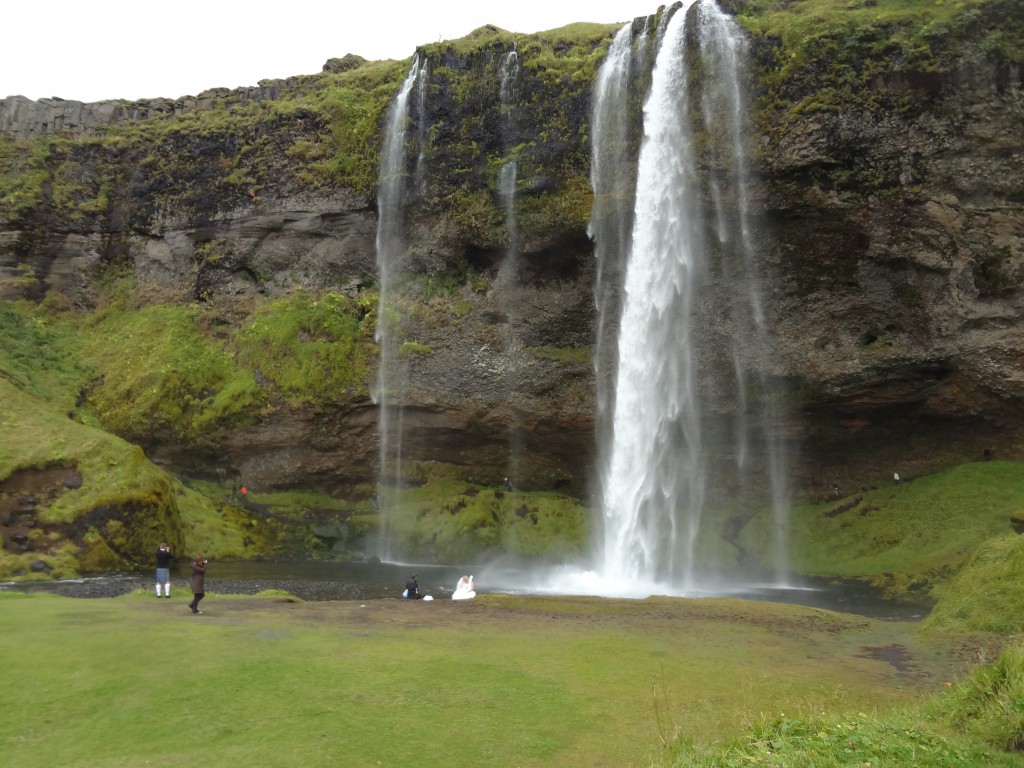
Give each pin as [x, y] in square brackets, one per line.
[374, 501]
[896, 478]
[198, 582]
[835, 489]
[508, 485]
[163, 570]
[412, 589]
[464, 589]
[987, 454]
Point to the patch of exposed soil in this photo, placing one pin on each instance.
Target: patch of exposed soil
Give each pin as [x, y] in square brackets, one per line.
[23, 495]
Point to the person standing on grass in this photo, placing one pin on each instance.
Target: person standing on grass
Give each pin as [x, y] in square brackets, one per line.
[198, 582]
[163, 570]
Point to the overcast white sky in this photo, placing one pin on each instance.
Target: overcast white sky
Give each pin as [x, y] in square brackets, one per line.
[90, 50]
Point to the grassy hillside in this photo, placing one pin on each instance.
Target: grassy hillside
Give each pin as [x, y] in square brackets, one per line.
[136, 499]
[906, 537]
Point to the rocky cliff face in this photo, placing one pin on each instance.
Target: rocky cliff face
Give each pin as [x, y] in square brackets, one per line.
[896, 236]
[891, 229]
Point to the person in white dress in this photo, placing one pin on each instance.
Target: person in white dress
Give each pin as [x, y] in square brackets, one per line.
[464, 590]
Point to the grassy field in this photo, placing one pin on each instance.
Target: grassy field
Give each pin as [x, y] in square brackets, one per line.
[499, 681]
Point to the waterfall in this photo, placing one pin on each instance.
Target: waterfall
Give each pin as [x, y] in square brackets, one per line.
[508, 94]
[723, 101]
[611, 220]
[391, 205]
[678, 429]
[422, 74]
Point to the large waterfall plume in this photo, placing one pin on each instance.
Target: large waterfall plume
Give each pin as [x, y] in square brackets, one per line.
[615, 130]
[689, 438]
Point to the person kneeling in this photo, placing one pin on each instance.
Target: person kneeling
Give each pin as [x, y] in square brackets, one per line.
[464, 590]
[412, 589]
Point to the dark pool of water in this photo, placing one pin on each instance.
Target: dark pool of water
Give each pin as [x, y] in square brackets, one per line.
[373, 581]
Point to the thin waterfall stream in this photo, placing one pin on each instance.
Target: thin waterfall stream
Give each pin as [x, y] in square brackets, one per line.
[391, 245]
[509, 271]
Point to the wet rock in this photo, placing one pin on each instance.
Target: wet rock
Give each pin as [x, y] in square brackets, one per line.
[331, 532]
[73, 482]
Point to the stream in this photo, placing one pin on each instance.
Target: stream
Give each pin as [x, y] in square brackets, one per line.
[313, 580]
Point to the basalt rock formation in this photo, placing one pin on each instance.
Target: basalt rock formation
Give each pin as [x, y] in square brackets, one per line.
[888, 204]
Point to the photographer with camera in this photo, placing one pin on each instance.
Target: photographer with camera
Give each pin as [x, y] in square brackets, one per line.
[198, 582]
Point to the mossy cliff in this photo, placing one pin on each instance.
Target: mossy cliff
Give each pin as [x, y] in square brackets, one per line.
[204, 271]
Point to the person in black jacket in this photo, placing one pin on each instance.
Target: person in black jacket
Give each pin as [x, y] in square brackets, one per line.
[412, 589]
[163, 570]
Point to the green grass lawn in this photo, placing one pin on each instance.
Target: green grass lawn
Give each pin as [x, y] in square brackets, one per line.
[499, 681]
[908, 537]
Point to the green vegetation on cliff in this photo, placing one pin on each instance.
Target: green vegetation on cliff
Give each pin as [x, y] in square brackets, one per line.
[451, 522]
[161, 379]
[38, 357]
[826, 54]
[154, 373]
[320, 134]
[314, 350]
[822, 66]
[23, 173]
[159, 374]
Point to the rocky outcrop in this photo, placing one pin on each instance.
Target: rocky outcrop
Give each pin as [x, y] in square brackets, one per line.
[24, 118]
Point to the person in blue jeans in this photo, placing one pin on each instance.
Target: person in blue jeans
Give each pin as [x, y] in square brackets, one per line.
[163, 570]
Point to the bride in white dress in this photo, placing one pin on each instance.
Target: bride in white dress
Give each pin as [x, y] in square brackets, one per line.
[464, 590]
